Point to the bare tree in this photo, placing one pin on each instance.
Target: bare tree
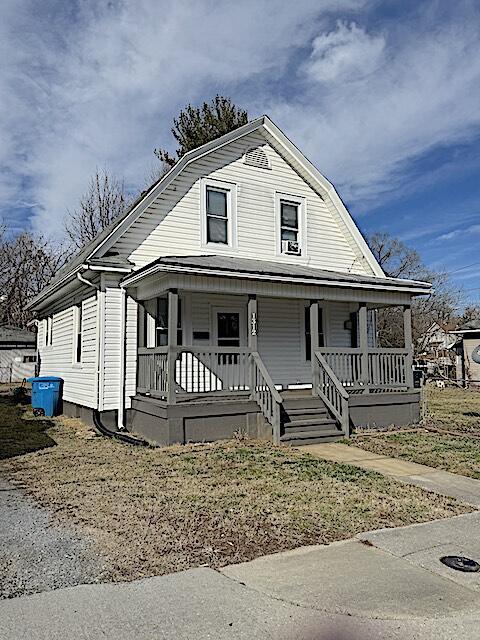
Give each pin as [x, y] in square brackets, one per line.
[104, 200]
[400, 261]
[28, 264]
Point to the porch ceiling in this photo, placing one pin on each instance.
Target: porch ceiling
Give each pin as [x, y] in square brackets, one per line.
[244, 268]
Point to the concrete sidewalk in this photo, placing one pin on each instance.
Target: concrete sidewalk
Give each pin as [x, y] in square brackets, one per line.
[347, 590]
[466, 490]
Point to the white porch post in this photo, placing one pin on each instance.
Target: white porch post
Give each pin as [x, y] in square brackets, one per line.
[314, 344]
[363, 344]
[407, 332]
[172, 342]
[252, 322]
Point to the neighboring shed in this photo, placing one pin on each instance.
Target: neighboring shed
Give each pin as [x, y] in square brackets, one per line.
[17, 354]
[468, 353]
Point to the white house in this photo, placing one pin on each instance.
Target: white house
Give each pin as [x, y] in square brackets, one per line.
[235, 294]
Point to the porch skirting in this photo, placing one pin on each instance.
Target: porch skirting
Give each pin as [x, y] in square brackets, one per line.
[384, 409]
[202, 421]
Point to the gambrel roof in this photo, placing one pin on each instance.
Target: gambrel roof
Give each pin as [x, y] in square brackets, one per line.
[95, 254]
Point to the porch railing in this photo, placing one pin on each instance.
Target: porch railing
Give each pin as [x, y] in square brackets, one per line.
[389, 369]
[345, 363]
[328, 386]
[152, 371]
[211, 369]
[373, 370]
[195, 370]
[265, 394]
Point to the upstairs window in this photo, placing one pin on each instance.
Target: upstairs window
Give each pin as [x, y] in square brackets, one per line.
[289, 228]
[290, 214]
[218, 214]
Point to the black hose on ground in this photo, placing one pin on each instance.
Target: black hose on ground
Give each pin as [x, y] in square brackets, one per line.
[124, 437]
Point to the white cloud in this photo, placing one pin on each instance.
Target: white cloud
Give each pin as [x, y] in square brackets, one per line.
[425, 95]
[346, 54]
[97, 83]
[473, 229]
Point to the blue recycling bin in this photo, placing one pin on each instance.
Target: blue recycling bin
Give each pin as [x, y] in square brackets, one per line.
[46, 395]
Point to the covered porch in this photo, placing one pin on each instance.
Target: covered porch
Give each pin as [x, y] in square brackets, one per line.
[267, 346]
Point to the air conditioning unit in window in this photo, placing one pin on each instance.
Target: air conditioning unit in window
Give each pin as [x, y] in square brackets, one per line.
[291, 247]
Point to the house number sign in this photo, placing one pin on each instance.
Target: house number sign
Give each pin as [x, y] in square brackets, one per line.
[254, 324]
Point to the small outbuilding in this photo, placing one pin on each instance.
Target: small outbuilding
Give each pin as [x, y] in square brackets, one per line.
[18, 355]
[467, 350]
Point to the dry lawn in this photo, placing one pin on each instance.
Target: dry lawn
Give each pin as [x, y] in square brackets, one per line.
[454, 410]
[154, 511]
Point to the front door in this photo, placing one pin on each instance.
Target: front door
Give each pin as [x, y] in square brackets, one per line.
[228, 328]
[229, 332]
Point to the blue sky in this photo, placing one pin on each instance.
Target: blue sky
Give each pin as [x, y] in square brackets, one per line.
[383, 96]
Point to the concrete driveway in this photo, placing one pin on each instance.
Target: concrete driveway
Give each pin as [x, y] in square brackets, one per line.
[386, 585]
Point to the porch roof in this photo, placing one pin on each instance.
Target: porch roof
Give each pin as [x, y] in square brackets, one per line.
[233, 267]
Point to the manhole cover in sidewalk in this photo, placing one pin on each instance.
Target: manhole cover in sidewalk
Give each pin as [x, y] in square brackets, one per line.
[459, 563]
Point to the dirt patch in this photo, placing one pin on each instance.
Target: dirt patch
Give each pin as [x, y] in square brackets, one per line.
[154, 511]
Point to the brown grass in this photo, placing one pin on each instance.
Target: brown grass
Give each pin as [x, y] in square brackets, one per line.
[155, 511]
[454, 410]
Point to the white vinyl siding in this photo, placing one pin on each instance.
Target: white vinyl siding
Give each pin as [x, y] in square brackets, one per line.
[281, 328]
[112, 337]
[56, 359]
[172, 224]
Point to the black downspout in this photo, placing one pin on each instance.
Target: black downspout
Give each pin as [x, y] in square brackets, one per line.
[119, 435]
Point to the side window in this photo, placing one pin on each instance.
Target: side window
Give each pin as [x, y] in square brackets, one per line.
[48, 331]
[308, 333]
[161, 323]
[218, 212]
[77, 333]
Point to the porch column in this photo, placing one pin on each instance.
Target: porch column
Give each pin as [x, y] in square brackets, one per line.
[172, 342]
[363, 344]
[252, 311]
[407, 332]
[314, 344]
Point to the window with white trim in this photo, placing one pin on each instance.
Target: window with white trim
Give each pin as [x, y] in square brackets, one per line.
[218, 213]
[289, 220]
[290, 213]
[48, 331]
[77, 333]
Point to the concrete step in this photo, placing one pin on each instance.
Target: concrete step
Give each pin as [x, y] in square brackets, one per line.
[311, 437]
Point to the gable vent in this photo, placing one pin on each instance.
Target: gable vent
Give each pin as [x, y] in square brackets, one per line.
[257, 158]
